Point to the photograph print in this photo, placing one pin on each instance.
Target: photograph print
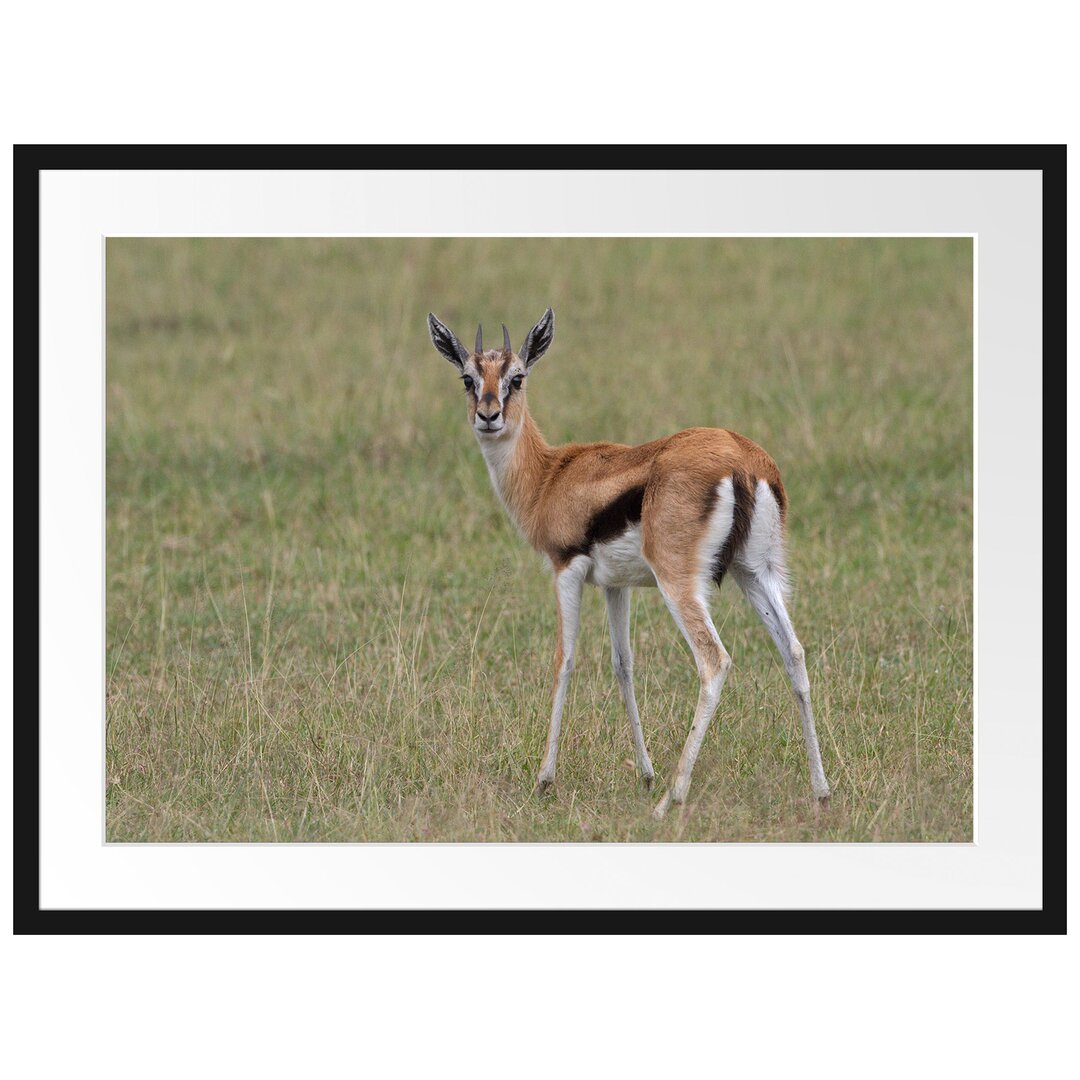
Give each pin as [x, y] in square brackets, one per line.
[546, 539]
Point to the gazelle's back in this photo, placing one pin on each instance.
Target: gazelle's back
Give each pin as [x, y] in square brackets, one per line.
[596, 492]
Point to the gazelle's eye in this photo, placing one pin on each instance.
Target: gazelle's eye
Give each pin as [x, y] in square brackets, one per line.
[516, 381]
[467, 380]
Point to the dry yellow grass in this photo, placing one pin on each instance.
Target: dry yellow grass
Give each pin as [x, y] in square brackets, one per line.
[304, 645]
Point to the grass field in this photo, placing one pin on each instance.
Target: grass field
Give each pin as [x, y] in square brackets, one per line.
[303, 645]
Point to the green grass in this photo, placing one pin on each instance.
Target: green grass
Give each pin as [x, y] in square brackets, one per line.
[321, 626]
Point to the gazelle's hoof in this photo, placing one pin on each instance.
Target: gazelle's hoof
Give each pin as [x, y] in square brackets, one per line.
[543, 785]
[661, 807]
[644, 773]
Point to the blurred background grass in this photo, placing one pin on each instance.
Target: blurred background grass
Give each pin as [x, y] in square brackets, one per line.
[303, 644]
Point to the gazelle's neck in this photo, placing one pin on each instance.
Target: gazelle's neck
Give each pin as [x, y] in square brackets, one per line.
[518, 463]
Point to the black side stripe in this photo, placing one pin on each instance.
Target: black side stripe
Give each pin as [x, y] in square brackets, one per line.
[609, 521]
[743, 488]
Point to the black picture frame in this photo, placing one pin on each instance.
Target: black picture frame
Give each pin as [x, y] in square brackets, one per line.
[31, 160]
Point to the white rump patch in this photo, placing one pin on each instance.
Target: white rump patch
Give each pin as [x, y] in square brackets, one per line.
[763, 553]
[717, 530]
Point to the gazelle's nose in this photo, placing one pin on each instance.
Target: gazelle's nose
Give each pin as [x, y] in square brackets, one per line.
[488, 418]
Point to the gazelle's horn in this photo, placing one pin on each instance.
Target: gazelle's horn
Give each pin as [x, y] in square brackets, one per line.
[480, 338]
[507, 347]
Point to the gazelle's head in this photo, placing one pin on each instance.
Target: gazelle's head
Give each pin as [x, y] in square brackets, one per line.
[494, 378]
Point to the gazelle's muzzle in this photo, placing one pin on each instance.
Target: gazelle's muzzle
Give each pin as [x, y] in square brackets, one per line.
[489, 414]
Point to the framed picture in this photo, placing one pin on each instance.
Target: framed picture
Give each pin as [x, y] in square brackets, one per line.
[348, 605]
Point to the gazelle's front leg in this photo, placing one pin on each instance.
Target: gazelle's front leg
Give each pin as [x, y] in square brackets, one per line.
[622, 660]
[569, 582]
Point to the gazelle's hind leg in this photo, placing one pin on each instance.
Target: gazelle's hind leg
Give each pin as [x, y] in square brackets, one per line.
[759, 571]
[622, 661]
[680, 545]
[692, 616]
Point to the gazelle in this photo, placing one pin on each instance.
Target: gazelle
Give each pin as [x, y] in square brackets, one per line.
[676, 514]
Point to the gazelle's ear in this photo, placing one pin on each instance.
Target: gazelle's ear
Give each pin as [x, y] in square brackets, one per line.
[539, 340]
[442, 337]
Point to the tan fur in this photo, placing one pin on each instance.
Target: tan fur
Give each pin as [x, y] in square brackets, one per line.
[552, 492]
[691, 498]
